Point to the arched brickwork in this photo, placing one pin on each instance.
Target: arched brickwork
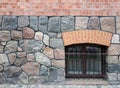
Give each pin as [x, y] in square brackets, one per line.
[87, 36]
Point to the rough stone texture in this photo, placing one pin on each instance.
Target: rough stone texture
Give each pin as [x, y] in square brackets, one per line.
[11, 47]
[46, 39]
[112, 59]
[11, 81]
[52, 35]
[81, 22]
[3, 43]
[118, 25]
[112, 76]
[59, 35]
[119, 76]
[31, 45]
[42, 59]
[43, 70]
[1, 49]
[19, 49]
[20, 61]
[54, 24]
[94, 23]
[9, 22]
[67, 23]
[21, 54]
[23, 21]
[30, 57]
[2, 80]
[59, 54]
[0, 21]
[60, 75]
[12, 57]
[58, 63]
[31, 68]
[28, 33]
[12, 71]
[24, 78]
[114, 49]
[37, 80]
[108, 24]
[39, 36]
[1, 68]
[52, 76]
[4, 59]
[56, 43]
[43, 22]
[113, 68]
[115, 38]
[4, 35]
[49, 52]
[34, 22]
[16, 35]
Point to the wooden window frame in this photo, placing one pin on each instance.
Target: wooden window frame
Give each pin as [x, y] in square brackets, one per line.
[84, 75]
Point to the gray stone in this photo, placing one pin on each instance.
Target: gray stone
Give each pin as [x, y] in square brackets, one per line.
[118, 24]
[37, 80]
[31, 45]
[23, 21]
[108, 24]
[114, 49]
[21, 54]
[60, 75]
[81, 22]
[43, 70]
[9, 22]
[93, 23]
[58, 63]
[2, 79]
[54, 24]
[59, 35]
[43, 22]
[34, 22]
[0, 21]
[23, 77]
[52, 76]
[12, 57]
[1, 68]
[56, 43]
[67, 23]
[4, 35]
[112, 59]
[11, 47]
[1, 49]
[30, 57]
[16, 35]
[3, 43]
[42, 59]
[11, 81]
[12, 71]
[119, 76]
[49, 52]
[112, 76]
[4, 60]
[20, 61]
[39, 36]
[31, 68]
[52, 35]
[19, 49]
[59, 54]
[115, 38]
[113, 68]
[46, 39]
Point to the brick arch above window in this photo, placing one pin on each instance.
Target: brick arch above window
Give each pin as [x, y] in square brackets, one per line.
[87, 36]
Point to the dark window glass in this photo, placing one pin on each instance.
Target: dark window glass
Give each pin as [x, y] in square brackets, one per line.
[85, 61]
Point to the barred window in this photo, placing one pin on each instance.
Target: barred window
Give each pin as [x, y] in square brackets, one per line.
[85, 60]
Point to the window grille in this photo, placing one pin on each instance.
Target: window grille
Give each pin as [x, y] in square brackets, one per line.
[85, 60]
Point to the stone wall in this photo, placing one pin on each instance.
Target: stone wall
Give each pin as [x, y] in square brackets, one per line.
[32, 49]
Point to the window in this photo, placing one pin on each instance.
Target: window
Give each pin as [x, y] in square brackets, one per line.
[85, 61]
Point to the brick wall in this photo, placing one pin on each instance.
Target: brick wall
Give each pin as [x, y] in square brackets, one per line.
[60, 7]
